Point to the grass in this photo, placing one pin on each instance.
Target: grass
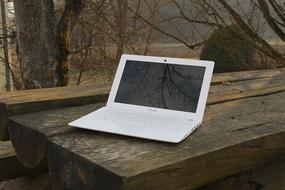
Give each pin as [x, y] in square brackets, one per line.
[104, 74]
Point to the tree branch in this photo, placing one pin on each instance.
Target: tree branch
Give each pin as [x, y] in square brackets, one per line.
[270, 20]
[278, 10]
[260, 42]
[190, 46]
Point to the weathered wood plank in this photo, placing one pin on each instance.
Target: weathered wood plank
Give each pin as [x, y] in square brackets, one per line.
[49, 124]
[20, 102]
[46, 94]
[10, 166]
[42, 129]
[251, 131]
[268, 177]
[236, 136]
[246, 75]
[26, 124]
[151, 172]
[216, 99]
[46, 123]
[242, 86]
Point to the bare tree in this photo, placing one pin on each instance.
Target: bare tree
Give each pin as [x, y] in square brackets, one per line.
[274, 23]
[107, 28]
[43, 43]
[7, 39]
[204, 16]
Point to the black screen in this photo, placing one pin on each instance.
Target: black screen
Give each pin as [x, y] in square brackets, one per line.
[168, 86]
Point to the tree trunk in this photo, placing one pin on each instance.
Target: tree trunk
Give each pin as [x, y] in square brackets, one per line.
[38, 48]
[70, 16]
[120, 17]
[43, 45]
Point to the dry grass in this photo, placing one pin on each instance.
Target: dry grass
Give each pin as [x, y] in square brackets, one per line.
[104, 74]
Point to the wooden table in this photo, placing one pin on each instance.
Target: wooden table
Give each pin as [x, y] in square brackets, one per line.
[28, 101]
[243, 135]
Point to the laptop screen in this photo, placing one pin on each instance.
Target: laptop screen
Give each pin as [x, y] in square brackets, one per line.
[159, 85]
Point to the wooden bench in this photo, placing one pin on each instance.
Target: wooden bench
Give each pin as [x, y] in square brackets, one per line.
[27, 101]
[229, 142]
[10, 166]
[20, 102]
[249, 129]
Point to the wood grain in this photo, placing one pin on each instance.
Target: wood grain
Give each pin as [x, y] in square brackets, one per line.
[29, 101]
[235, 137]
[250, 130]
[245, 75]
[21, 102]
[25, 136]
[244, 122]
[50, 123]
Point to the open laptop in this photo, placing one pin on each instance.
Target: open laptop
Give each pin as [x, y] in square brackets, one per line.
[155, 98]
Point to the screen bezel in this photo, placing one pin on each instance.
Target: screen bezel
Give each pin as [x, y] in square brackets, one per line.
[209, 65]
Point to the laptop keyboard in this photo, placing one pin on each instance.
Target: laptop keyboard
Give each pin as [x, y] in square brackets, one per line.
[145, 119]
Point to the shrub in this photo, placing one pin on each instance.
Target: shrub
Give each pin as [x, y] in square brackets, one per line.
[230, 50]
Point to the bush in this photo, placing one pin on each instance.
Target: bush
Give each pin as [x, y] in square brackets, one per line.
[229, 49]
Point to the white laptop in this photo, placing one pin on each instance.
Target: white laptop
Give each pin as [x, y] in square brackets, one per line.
[155, 98]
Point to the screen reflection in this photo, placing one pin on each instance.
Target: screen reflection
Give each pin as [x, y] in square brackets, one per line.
[159, 85]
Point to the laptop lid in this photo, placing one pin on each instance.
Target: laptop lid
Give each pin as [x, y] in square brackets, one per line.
[163, 85]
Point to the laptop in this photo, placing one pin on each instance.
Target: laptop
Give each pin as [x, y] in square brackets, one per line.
[156, 98]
